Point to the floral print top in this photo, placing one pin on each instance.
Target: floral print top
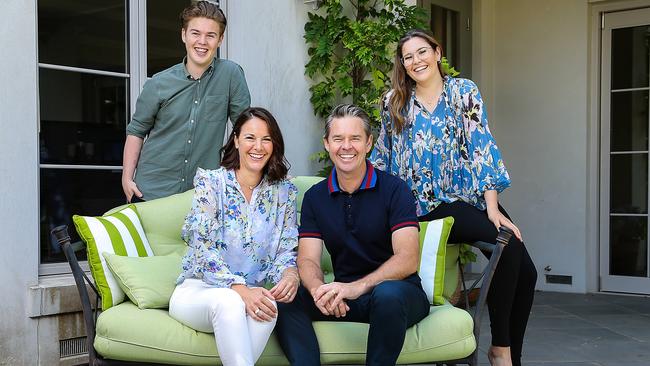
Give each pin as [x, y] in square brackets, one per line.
[232, 241]
[445, 155]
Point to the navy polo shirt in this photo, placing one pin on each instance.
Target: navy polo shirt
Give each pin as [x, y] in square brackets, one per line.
[357, 227]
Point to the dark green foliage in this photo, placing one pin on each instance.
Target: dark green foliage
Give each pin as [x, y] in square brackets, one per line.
[351, 52]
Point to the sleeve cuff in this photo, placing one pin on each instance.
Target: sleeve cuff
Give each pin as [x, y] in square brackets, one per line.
[405, 224]
[136, 134]
[223, 280]
[310, 234]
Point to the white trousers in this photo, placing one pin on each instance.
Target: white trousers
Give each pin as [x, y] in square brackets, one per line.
[240, 339]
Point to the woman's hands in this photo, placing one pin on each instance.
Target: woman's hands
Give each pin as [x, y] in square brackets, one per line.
[499, 219]
[258, 300]
[495, 215]
[285, 290]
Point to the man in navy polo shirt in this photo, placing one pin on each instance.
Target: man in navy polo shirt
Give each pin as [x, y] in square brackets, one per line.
[366, 218]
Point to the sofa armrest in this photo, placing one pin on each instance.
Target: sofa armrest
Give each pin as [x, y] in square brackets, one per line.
[80, 278]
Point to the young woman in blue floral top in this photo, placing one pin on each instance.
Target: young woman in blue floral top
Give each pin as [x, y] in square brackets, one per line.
[242, 234]
[435, 136]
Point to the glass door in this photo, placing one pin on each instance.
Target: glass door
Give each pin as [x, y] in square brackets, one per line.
[625, 84]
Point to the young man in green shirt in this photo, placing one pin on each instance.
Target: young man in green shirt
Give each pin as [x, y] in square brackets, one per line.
[182, 112]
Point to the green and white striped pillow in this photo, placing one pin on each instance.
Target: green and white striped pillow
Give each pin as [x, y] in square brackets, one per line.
[119, 233]
[433, 250]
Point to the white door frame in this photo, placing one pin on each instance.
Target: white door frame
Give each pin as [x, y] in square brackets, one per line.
[592, 185]
[608, 282]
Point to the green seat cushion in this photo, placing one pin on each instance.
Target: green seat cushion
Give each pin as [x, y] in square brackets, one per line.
[125, 332]
[147, 281]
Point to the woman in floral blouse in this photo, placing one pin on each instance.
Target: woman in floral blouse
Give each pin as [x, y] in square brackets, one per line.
[435, 136]
[242, 235]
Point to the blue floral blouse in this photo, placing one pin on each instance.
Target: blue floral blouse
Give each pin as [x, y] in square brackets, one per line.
[234, 242]
[445, 155]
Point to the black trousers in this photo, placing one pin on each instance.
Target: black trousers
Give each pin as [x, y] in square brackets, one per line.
[513, 286]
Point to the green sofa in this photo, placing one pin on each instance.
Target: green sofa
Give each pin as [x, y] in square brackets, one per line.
[151, 336]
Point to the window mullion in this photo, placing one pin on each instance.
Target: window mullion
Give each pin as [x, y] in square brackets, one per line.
[137, 50]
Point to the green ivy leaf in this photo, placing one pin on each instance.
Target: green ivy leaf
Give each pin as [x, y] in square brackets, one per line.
[465, 254]
[378, 79]
[448, 69]
[351, 52]
[344, 85]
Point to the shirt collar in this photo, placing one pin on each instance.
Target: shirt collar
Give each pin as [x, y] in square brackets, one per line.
[206, 72]
[369, 181]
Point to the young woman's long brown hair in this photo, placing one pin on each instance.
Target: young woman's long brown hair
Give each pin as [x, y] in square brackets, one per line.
[402, 83]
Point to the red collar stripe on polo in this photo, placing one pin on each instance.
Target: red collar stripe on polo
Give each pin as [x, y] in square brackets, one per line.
[368, 181]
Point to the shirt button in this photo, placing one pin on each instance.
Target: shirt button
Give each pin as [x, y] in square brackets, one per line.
[185, 161]
[182, 179]
[189, 141]
[196, 101]
[192, 121]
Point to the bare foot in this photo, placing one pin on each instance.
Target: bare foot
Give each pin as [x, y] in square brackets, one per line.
[499, 356]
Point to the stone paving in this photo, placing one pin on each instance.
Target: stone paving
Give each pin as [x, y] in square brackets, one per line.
[584, 330]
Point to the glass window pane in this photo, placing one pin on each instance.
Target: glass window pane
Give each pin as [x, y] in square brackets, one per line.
[87, 34]
[67, 192]
[629, 183]
[164, 45]
[83, 118]
[630, 50]
[628, 246]
[629, 121]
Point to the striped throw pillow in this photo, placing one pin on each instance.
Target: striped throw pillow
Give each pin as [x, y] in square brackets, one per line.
[433, 250]
[119, 233]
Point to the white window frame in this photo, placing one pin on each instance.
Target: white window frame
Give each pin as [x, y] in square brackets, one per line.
[136, 58]
[136, 37]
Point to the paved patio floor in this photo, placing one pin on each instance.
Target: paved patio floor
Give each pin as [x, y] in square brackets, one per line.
[584, 330]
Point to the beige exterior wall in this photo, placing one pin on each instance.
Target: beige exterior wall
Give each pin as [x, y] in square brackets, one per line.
[273, 54]
[18, 182]
[532, 65]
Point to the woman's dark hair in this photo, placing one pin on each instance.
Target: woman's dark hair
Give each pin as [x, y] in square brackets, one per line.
[277, 167]
[402, 83]
[203, 9]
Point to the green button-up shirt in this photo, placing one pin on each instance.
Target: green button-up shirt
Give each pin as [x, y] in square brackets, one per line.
[185, 121]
